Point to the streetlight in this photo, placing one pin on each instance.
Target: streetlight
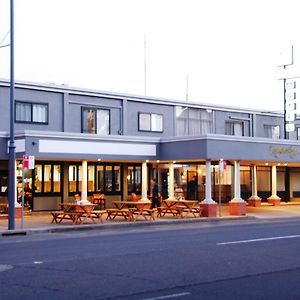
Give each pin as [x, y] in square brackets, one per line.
[11, 145]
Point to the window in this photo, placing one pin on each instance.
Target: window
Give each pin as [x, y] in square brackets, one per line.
[134, 179]
[96, 121]
[193, 121]
[150, 122]
[101, 178]
[47, 178]
[298, 133]
[272, 131]
[234, 128]
[31, 112]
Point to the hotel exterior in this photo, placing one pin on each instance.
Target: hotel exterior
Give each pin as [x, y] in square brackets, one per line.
[87, 141]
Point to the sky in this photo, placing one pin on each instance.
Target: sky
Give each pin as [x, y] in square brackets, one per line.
[229, 49]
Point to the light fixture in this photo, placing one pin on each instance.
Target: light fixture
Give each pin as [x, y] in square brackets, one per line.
[266, 164]
[285, 164]
[147, 160]
[99, 159]
[278, 164]
[157, 161]
[174, 161]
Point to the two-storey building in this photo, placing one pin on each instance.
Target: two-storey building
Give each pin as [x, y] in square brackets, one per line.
[87, 141]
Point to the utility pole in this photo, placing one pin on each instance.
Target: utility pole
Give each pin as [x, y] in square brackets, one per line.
[187, 88]
[145, 65]
[11, 146]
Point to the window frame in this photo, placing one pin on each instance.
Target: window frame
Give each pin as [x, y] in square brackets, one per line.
[31, 112]
[232, 122]
[151, 130]
[134, 167]
[52, 193]
[271, 126]
[83, 108]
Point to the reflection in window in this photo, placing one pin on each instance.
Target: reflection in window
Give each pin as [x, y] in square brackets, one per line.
[134, 179]
[47, 178]
[91, 178]
[234, 128]
[96, 121]
[117, 173]
[100, 179]
[272, 131]
[38, 178]
[56, 178]
[72, 178]
[108, 178]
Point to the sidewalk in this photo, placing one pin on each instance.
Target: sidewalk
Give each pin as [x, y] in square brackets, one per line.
[41, 222]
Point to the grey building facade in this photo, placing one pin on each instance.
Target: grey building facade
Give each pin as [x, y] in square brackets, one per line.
[115, 134]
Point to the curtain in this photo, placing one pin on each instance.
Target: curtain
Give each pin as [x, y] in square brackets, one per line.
[103, 121]
[23, 112]
[39, 113]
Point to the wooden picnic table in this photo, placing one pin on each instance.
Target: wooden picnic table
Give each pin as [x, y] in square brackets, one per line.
[100, 200]
[135, 209]
[77, 213]
[181, 208]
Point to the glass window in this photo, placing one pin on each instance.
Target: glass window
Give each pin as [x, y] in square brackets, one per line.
[108, 178]
[80, 178]
[272, 131]
[130, 179]
[117, 177]
[56, 178]
[72, 178]
[39, 113]
[47, 178]
[156, 122]
[138, 178]
[145, 122]
[193, 121]
[23, 112]
[103, 121]
[298, 133]
[88, 120]
[38, 178]
[91, 178]
[31, 112]
[234, 128]
[100, 179]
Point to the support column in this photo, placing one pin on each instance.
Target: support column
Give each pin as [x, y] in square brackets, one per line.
[171, 181]
[84, 182]
[144, 181]
[254, 200]
[208, 205]
[237, 206]
[274, 199]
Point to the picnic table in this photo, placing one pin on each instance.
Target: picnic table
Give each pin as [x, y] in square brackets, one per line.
[180, 207]
[132, 210]
[100, 200]
[77, 213]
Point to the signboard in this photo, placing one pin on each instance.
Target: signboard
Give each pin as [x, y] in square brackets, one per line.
[289, 127]
[291, 105]
[28, 162]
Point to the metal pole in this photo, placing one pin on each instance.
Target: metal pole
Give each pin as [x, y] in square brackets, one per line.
[22, 220]
[11, 146]
[284, 107]
[145, 65]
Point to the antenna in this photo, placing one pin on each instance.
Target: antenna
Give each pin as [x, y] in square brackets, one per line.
[145, 65]
[187, 88]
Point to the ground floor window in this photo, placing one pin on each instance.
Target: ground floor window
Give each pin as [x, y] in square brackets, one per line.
[134, 179]
[102, 178]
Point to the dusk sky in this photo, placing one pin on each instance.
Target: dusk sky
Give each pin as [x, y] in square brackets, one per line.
[229, 49]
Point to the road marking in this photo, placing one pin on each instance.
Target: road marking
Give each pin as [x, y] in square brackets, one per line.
[260, 240]
[37, 262]
[5, 268]
[168, 296]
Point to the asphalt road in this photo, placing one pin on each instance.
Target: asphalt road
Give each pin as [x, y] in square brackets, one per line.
[187, 261]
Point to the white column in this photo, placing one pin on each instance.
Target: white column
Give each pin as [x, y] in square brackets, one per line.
[84, 181]
[254, 183]
[274, 182]
[171, 181]
[237, 183]
[208, 199]
[144, 181]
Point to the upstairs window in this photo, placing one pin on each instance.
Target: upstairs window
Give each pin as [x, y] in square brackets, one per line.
[272, 131]
[150, 122]
[96, 121]
[234, 128]
[27, 112]
[193, 121]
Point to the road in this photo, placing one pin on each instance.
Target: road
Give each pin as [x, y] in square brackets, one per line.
[251, 260]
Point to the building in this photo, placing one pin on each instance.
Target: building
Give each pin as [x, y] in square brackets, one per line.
[86, 141]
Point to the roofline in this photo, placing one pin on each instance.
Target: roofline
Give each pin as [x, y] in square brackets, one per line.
[139, 98]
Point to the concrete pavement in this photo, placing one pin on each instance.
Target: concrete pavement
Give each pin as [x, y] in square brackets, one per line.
[41, 222]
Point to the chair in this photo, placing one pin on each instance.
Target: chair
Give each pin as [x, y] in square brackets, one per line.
[135, 197]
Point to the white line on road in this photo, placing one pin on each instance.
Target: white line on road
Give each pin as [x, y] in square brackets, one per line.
[260, 240]
[168, 296]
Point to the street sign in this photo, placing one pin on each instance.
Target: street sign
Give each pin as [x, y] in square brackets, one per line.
[25, 161]
[291, 84]
[31, 162]
[290, 116]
